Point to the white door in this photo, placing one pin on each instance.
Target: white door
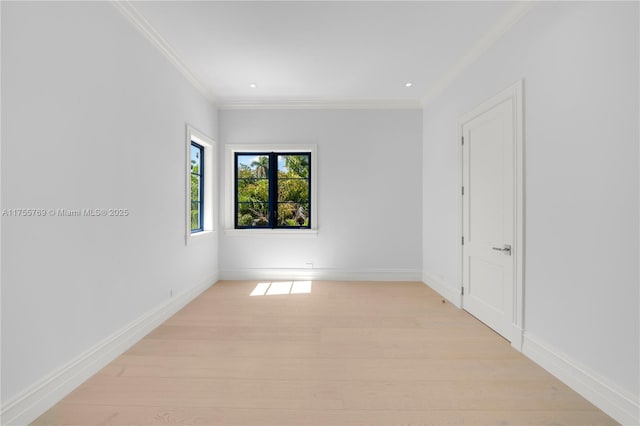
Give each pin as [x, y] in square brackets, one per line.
[488, 214]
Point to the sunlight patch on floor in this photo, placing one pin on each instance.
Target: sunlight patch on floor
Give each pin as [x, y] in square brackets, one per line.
[284, 287]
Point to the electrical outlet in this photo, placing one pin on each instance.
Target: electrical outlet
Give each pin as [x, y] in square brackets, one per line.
[308, 265]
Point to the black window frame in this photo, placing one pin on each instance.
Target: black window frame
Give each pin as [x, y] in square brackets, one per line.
[201, 196]
[272, 176]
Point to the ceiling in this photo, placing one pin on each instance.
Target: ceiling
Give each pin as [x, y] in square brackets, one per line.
[319, 51]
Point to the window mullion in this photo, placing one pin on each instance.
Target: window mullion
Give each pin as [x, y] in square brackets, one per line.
[273, 190]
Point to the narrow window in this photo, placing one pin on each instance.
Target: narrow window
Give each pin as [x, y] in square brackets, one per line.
[200, 185]
[197, 187]
[272, 190]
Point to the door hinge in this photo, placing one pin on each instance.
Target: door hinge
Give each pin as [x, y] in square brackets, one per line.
[462, 140]
[463, 190]
[462, 291]
[463, 240]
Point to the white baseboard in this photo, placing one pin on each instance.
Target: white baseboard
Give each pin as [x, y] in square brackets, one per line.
[320, 274]
[454, 297]
[617, 403]
[34, 401]
[517, 337]
[38, 398]
[450, 293]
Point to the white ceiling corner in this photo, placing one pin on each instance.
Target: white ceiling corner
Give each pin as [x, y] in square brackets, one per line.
[142, 25]
[501, 27]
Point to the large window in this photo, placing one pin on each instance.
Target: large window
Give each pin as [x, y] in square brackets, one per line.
[197, 187]
[272, 190]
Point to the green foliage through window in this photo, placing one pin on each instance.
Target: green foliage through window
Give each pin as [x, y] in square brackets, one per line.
[272, 190]
[197, 185]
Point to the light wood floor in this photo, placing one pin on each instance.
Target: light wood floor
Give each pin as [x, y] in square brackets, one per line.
[348, 353]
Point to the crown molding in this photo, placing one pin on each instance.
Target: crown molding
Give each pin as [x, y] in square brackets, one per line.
[231, 104]
[500, 28]
[510, 18]
[150, 33]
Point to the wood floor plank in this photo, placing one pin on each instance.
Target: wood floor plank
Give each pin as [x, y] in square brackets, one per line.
[206, 317]
[363, 353]
[323, 368]
[327, 394]
[145, 415]
[453, 349]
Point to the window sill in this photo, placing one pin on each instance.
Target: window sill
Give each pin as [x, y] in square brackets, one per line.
[199, 235]
[271, 232]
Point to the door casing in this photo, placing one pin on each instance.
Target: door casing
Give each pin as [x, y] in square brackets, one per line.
[514, 92]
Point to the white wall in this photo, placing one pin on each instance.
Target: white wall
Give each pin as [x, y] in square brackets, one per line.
[579, 62]
[93, 117]
[369, 186]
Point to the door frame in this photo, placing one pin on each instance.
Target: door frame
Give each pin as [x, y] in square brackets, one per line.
[515, 93]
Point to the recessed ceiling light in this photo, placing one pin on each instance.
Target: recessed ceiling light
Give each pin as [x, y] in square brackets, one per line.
[408, 84]
[253, 85]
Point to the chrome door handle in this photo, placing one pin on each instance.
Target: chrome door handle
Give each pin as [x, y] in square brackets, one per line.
[506, 249]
